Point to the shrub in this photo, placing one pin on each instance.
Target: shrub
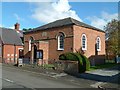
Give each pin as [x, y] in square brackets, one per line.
[86, 62]
[83, 62]
[68, 56]
[62, 57]
[79, 58]
[80, 62]
[71, 56]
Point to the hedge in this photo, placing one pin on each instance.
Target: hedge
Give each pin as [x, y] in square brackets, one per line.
[68, 56]
[62, 57]
[86, 62]
[83, 62]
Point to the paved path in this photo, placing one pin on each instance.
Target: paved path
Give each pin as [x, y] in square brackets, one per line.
[104, 72]
[111, 75]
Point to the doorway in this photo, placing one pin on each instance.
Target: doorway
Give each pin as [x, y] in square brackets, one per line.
[35, 54]
[20, 53]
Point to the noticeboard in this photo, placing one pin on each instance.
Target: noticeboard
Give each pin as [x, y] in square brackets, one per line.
[20, 61]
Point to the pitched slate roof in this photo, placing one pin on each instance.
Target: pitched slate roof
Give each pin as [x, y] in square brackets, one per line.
[10, 36]
[20, 32]
[63, 22]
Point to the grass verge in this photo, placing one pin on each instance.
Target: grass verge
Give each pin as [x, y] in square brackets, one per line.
[106, 65]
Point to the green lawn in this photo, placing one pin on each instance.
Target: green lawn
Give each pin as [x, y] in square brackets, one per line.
[106, 65]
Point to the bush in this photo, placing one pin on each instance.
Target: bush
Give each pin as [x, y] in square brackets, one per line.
[86, 62]
[62, 57]
[68, 56]
[83, 62]
[80, 62]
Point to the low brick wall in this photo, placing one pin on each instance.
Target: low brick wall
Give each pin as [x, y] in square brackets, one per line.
[67, 66]
[10, 60]
[42, 61]
[97, 60]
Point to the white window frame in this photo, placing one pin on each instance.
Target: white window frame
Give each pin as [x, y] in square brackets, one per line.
[98, 38]
[20, 48]
[30, 43]
[58, 39]
[29, 47]
[85, 42]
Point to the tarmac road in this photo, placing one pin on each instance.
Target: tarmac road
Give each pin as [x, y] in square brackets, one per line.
[15, 78]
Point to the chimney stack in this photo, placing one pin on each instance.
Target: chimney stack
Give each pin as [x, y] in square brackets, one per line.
[17, 26]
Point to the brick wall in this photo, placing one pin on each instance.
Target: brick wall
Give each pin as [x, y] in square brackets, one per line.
[91, 41]
[0, 50]
[71, 44]
[67, 66]
[44, 45]
[10, 52]
[51, 36]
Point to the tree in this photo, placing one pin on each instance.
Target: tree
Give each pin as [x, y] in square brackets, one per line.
[111, 30]
[24, 29]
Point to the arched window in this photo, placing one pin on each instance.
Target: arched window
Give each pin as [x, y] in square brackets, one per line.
[98, 44]
[30, 41]
[84, 42]
[61, 37]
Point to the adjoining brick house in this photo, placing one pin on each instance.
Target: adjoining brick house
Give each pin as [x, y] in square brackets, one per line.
[47, 42]
[11, 46]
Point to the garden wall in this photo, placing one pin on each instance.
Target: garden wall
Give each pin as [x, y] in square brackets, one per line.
[97, 59]
[68, 66]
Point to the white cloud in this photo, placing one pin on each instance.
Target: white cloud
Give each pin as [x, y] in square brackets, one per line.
[101, 21]
[1, 25]
[50, 11]
[108, 16]
[97, 22]
[12, 27]
[18, 18]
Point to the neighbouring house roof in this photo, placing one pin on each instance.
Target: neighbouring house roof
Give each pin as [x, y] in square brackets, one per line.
[20, 32]
[63, 22]
[10, 36]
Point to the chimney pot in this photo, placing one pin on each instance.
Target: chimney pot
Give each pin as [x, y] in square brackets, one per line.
[17, 26]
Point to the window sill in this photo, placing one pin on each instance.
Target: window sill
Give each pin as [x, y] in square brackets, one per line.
[98, 50]
[84, 49]
[60, 49]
